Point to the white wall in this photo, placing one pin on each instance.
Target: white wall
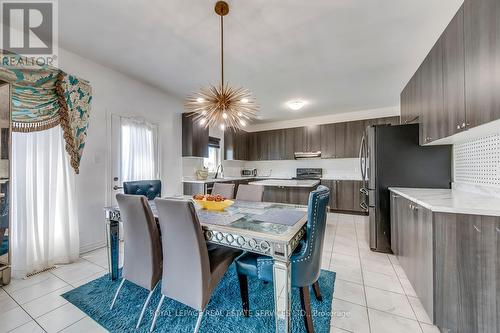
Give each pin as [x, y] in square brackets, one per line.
[115, 93]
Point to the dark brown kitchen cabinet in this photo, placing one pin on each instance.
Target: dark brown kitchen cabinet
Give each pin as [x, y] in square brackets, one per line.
[332, 185]
[454, 74]
[328, 141]
[307, 138]
[194, 137]
[354, 133]
[289, 143]
[345, 195]
[235, 145]
[277, 145]
[466, 273]
[482, 60]
[288, 195]
[434, 120]
[410, 111]
[412, 242]
[253, 147]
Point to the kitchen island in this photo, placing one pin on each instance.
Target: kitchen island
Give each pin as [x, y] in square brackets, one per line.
[291, 191]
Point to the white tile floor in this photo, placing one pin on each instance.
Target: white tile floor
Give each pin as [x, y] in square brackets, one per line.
[372, 293]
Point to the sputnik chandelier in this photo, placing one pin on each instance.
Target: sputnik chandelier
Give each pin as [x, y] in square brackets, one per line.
[222, 105]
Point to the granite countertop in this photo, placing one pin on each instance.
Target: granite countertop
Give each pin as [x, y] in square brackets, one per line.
[286, 182]
[451, 201]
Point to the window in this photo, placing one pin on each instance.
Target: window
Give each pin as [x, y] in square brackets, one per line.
[139, 154]
[214, 155]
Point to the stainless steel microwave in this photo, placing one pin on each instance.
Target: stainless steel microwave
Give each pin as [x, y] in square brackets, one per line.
[249, 172]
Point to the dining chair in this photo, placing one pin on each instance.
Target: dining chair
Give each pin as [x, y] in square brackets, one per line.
[142, 262]
[190, 271]
[149, 188]
[226, 190]
[250, 193]
[305, 261]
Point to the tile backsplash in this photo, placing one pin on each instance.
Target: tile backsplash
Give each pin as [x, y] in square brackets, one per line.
[345, 168]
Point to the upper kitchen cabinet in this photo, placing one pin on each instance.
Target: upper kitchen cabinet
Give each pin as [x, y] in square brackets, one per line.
[194, 137]
[411, 110]
[307, 138]
[434, 120]
[235, 145]
[482, 60]
[328, 141]
[454, 74]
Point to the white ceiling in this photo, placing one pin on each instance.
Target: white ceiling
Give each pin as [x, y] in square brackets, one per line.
[340, 55]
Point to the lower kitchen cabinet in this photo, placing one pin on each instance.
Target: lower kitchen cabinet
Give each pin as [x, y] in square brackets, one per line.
[288, 195]
[411, 237]
[452, 263]
[467, 272]
[344, 195]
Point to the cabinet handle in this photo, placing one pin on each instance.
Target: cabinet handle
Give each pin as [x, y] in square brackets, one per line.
[477, 229]
[458, 127]
[463, 125]
[395, 196]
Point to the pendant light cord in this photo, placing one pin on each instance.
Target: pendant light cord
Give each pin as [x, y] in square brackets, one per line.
[222, 48]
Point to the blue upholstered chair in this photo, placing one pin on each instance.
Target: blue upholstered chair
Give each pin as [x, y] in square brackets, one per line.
[151, 189]
[305, 261]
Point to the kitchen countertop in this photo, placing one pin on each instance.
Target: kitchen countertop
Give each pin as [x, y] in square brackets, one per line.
[218, 180]
[228, 179]
[451, 201]
[287, 182]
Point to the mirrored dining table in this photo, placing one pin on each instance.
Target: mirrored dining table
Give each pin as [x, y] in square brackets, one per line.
[264, 228]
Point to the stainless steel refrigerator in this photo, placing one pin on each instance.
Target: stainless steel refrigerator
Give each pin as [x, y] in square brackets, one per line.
[390, 156]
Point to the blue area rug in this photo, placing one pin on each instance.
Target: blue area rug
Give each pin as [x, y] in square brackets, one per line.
[223, 313]
[4, 245]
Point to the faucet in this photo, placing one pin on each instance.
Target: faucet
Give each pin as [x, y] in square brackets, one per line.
[217, 171]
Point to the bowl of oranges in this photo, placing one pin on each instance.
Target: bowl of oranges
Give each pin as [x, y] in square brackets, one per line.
[212, 202]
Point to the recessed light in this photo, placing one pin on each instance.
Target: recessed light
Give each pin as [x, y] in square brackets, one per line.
[224, 115]
[296, 104]
[203, 121]
[244, 100]
[243, 123]
[200, 100]
[222, 127]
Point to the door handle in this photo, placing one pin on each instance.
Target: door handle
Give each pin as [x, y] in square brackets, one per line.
[116, 187]
[364, 191]
[363, 206]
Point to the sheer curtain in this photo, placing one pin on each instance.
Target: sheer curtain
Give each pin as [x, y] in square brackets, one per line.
[138, 150]
[45, 224]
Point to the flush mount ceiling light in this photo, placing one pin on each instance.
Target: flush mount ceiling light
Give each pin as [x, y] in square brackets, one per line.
[222, 105]
[296, 104]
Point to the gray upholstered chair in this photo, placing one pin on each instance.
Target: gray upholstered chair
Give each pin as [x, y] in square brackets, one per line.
[226, 190]
[142, 263]
[190, 271]
[250, 193]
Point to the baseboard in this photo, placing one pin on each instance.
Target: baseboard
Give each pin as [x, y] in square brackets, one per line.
[348, 212]
[92, 247]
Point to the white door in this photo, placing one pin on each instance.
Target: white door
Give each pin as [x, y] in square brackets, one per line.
[134, 152]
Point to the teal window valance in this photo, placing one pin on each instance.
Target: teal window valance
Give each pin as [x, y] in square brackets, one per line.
[44, 97]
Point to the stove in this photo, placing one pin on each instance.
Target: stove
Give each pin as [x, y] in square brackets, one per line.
[309, 173]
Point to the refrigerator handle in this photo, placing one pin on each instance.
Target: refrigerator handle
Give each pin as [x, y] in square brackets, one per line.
[362, 162]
